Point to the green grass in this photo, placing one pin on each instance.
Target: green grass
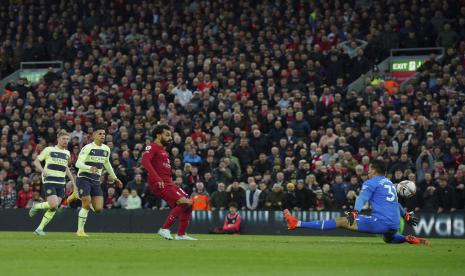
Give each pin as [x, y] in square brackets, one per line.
[146, 254]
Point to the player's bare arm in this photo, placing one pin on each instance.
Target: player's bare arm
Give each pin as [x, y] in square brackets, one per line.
[39, 167]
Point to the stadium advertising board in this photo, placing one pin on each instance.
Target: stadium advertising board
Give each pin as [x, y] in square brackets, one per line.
[441, 225]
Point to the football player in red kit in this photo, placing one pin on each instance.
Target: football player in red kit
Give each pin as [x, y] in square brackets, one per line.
[156, 162]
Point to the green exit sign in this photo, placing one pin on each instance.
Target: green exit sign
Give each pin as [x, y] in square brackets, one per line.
[33, 75]
[405, 65]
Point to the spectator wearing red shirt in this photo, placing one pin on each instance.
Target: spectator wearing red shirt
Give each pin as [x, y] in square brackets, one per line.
[206, 84]
[24, 195]
[243, 92]
[110, 199]
[198, 133]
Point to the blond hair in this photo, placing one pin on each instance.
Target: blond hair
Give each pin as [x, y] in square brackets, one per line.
[62, 132]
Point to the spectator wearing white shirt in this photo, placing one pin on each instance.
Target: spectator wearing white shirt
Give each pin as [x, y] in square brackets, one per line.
[183, 94]
[122, 201]
[251, 196]
[134, 201]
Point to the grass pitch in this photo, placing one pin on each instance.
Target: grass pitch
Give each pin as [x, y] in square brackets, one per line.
[146, 254]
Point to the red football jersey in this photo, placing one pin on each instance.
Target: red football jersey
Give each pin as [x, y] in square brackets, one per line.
[157, 163]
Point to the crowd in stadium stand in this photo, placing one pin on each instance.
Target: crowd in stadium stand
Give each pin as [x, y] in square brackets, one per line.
[255, 92]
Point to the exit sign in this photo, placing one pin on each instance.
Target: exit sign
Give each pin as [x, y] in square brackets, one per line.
[405, 65]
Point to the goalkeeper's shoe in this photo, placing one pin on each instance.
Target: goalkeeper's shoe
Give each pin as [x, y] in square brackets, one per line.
[291, 221]
[81, 234]
[415, 240]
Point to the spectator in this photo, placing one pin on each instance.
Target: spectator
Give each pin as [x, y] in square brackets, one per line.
[447, 38]
[429, 199]
[36, 198]
[191, 178]
[300, 127]
[280, 179]
[328, 138]
[349, 162]
[234, 164]
[122, 201]
[182, 93]
[149, 199]
[200, 198]
[330, 155]
[252, 196]
[264, 191]
[355, 184]
[403, 164]
[244, 153]
[259, 143]
[262, 165]
[110, 199]
[339, 188]
[424, 166]
[209, 182]
[274, 200]
[276, 133]
[133, 201]
[322, 201]
[222, 173]
[249, 174]
[8, 196]
[219, 198]
[137, 184]
[237, 194]
[290, 198]
[445, 196]
[459, 183]
[304, 196]
[24, 195]
[359, 65]
[193, 158]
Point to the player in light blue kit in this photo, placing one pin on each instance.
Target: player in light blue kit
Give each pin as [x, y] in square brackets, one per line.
[381, 193]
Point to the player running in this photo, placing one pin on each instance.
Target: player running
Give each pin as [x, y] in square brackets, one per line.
[53, 178]
[156, 162]
[385, 215]
[91, 161]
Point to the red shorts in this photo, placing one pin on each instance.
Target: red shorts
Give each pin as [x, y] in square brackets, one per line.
[171, 193]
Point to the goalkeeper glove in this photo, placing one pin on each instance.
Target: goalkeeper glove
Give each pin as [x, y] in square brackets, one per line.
[410, 219]
[351, 216]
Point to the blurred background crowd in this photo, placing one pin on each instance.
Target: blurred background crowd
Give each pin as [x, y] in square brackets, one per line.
[255, 92]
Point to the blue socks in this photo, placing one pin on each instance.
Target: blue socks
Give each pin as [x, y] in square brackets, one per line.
[397, 238]
[319, 225]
